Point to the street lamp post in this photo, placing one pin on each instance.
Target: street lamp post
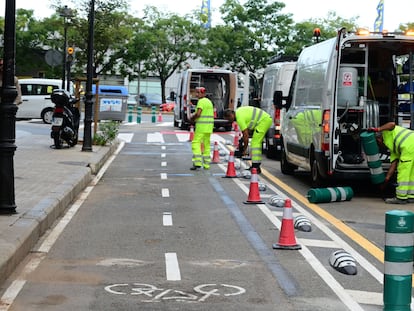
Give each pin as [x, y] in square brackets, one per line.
[87, 131]
[66, 13]
[8, 113]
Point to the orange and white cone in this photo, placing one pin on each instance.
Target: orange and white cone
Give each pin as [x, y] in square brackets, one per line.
[231, 170]
[191, 133]
[159, 117]
[254, 193]
[216, 155]
[287, 238]
[236, 139]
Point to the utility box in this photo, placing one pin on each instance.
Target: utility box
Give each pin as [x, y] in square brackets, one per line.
[112, 102]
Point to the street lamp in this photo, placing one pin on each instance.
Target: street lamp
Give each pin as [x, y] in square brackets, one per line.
[66, 13]
[8, 113]
[87, 131]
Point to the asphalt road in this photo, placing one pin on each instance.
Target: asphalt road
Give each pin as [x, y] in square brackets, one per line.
[153, 235]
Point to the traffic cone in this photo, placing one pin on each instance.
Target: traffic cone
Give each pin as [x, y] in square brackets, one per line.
[191, 133]
[254, 193]
[287, 238]
[216, 156]
[236, 140]
[159, 119]
[231, 171]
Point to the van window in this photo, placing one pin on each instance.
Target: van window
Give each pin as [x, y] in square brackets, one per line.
[37, 89]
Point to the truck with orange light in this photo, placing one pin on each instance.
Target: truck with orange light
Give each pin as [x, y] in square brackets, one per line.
[277, 76]
[221, 87]
[341, 87]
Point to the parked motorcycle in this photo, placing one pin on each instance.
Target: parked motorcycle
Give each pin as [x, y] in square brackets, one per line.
[65, 120]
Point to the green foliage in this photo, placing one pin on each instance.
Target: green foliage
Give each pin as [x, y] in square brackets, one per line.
[107, 133]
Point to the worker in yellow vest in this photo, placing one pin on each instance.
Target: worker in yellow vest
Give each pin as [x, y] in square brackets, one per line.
[400, 142]
[204, 124]
[251, 119]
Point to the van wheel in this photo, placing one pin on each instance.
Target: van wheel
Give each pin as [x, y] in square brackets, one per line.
[317, 180]
[285, 166]
[47, 115]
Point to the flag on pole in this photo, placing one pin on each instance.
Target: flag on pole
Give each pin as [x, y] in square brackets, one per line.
[379, 21]
[205, 15]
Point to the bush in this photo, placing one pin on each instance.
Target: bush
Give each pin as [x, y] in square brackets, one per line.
[107, 133]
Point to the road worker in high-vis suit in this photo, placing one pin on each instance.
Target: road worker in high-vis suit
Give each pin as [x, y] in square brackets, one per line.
[400, 142]
[204, 124]
[255, 120]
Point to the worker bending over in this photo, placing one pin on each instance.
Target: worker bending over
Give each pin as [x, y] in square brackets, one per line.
[251, 119]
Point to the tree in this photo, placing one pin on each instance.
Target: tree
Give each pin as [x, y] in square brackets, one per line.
[252, 33]
[163, 44]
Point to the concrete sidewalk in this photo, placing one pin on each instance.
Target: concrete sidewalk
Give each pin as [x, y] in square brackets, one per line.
[46, 181]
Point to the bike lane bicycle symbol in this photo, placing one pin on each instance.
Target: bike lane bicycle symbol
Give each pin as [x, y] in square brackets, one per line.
[151, 293]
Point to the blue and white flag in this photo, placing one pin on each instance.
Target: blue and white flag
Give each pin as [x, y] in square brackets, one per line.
[205, 15]
[379, 21]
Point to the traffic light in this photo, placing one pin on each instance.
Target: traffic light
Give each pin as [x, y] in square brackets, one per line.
[70, 51]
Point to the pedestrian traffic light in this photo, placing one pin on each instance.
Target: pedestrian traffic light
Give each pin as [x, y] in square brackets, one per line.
[70, 53]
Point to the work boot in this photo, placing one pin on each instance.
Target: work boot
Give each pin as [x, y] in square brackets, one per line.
[410, 200]
[195, 167]
[395, 201]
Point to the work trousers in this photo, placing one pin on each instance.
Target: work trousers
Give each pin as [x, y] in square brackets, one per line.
[405, 179]
[201, 157]
[257, 139]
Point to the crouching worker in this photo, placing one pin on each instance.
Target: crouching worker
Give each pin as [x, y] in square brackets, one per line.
[257, 121]
[400, 142]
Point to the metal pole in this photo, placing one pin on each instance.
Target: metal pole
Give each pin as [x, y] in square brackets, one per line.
[65, 34]
[8, 113]
[87, 132]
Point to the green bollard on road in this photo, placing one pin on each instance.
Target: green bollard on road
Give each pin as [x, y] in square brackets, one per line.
[139, 114]
[331, 194]
[371, 150]
[398, 260]
[154, 117]
[130, 114]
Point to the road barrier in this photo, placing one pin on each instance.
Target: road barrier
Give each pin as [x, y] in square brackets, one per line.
[372, 152]
[332, 194]
[398, 260]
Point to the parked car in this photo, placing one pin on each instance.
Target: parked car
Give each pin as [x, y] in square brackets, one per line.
[168, 106]
[36, 102]
[149, 99]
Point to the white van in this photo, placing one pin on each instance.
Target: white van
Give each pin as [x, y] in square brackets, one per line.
[36, 101]
[342, 86]
[221, 86]
[277, 77]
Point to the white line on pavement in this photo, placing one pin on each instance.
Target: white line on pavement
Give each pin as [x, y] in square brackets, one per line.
[165, 193]
[167, 219]
[172, 268]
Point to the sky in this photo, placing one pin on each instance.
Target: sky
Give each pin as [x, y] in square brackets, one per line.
[395, 11]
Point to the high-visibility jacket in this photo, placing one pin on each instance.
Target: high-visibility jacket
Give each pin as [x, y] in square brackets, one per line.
[205, 123]
[400, 142]
[248, 117]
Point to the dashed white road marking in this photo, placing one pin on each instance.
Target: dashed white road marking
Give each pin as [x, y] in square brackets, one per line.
[126, 137]
[163, 147]
[164, 176]
[167, 219]
[165, 192]
[163, 155]
[163, 164]
[171, 267]
[155, 138]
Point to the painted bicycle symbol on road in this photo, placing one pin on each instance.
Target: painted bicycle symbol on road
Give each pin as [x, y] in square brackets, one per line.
[151, 293]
